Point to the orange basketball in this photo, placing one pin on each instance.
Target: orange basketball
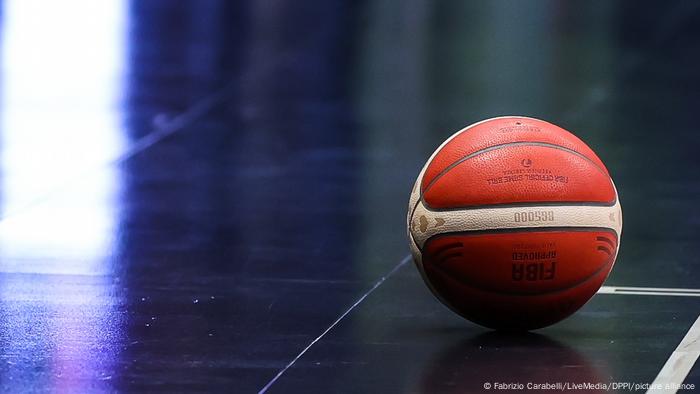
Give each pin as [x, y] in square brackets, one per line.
[514, 223]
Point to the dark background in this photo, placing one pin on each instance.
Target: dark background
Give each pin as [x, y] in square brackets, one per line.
[191, 192]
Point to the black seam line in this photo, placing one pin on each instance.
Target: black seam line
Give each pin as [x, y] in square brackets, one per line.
[500, 146]
[518, 293]
[606, 240]
[582, 229]
[451, 245]
[523, 205]
[605, 249]
[495, 147]
[449, 256]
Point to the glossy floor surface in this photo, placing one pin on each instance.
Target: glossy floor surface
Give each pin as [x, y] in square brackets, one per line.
[210, 196]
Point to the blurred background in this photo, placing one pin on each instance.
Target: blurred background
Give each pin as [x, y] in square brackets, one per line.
[191, 191]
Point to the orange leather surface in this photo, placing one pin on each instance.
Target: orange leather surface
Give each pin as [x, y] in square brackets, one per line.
[501, 131]
[531, 278]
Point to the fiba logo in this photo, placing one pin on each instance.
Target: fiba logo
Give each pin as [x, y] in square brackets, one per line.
[527, 163]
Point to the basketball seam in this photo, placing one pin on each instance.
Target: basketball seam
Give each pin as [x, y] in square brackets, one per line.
[521, 204]
[496, 147]
[468, 128]
[606, 240]
[522, 230]
[452, 245]
[507, 144]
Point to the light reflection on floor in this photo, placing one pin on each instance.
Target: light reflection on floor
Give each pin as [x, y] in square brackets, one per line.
[59, 116]
[43, 143]
[56, 94]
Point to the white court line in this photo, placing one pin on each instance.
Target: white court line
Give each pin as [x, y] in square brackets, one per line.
[659, 291]
[681, 361]
[679, 364]
[359, 300]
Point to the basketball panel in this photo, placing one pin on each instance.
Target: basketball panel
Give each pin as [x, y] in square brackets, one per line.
[508, 311]
[522, 262]
[503, 130]
[520, 174]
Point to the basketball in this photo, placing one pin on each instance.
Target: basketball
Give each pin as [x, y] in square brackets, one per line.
[514, 223]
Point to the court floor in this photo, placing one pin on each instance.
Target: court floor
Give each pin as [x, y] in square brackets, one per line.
[210, 196]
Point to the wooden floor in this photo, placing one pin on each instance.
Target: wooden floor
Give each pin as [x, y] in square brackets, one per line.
[210, 196]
